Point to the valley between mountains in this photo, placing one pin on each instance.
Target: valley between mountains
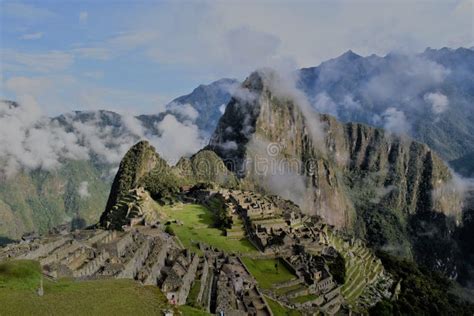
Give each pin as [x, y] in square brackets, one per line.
[285, 211]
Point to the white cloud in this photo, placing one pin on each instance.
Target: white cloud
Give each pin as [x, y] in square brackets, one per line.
[350, 104]
[406, 78]
[222, 108]
[395, 121]
[37, 62]
[29, 141]
[324, 103]
[183, 110]
[83, 190]
[133, 125]
[177, 139]
[32, 36]
[438, 101]
[83, 16]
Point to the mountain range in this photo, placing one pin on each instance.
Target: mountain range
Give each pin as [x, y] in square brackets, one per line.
[75, 189]
[428, 96]
[364, 180]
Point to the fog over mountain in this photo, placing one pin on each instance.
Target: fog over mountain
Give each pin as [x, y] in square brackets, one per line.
[428, 96]
[57, 170]
[33, 141]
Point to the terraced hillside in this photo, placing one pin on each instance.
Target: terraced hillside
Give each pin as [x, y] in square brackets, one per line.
[363, 270]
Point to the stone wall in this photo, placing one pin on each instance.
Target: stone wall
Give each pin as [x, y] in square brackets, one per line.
[92, 266]
[136, 262]
[155, 272]
[45, 249]
[204, 275]
[123, 243]
[61, 252]
[188, 279]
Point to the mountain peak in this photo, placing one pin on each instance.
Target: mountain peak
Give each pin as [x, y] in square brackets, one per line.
[139, 160]
[350, 55]
[259, 79]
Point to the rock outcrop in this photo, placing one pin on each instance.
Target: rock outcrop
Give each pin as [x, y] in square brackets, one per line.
[347, 173]
[139, 161]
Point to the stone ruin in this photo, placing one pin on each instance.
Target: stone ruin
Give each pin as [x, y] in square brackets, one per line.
[209, 279]
[151, 257]
[279, 229]
[132, 209]
[226, 286]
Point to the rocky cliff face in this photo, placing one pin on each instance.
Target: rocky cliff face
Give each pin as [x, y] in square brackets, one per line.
[138, 162]
[358, 178]
[432, 93]
[142, 168]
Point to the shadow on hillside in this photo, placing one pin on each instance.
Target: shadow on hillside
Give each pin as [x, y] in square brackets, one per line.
[5, 240]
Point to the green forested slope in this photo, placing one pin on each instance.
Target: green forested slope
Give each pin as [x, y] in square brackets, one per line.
[39, 200]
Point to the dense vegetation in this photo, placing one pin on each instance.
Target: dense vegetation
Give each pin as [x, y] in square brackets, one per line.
[465, 237]
[432, 241]
[39, 200]
[217, 205]
[384, 229]
[135, 164]
[337, 267]
[161, 184]
[422, 292]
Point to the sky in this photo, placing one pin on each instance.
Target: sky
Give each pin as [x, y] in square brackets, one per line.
[136, 56]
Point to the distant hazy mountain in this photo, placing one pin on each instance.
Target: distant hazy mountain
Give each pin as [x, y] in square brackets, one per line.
[429, 96]
[392, 191]
[35, 198]
[207, 101]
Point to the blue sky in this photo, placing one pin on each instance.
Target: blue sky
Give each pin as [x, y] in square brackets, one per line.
[135, 56]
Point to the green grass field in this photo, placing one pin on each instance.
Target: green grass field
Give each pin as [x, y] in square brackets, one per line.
[191, 311]
[19, 275]
[20, 279]
[279, 310]
[304, 298]
[197, 223]
[264, 271]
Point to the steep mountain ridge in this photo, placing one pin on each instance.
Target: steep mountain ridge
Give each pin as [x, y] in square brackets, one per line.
[359, 178]
[428, 96]
[339, 147]
[37, 200]
[142, 167]
[208, 102]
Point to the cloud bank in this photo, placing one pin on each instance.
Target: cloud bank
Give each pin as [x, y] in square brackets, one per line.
[30, 140]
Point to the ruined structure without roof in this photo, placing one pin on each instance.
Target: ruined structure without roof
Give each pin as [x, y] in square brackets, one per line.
[213, 280]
